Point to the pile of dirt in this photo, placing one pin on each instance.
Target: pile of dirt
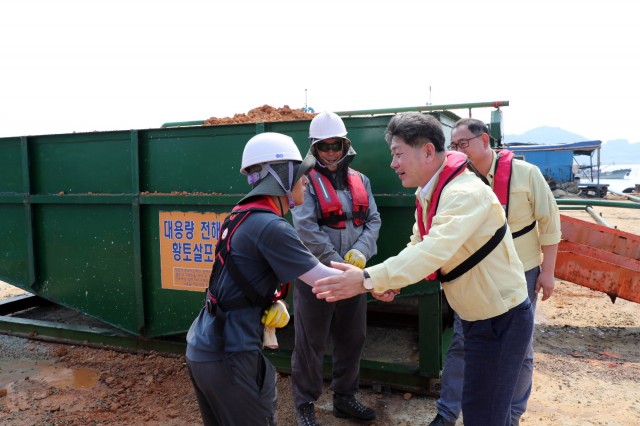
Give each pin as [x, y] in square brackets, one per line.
[81, 386]
[265, 113]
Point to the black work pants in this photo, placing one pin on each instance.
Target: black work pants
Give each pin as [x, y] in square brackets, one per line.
[239, 390]
[315, 321]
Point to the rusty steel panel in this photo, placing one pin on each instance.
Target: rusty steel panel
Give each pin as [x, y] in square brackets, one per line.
[600, 258]
[598, 270]
[601, 237]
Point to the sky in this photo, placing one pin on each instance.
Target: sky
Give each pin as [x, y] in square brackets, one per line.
[93, 65]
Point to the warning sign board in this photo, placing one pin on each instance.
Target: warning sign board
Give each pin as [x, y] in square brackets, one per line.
[187, 248]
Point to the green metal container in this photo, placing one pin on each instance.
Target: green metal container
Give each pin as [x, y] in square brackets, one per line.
[81, 212]
[120, 225]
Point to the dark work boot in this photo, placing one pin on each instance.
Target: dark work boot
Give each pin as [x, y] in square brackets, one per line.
[348, 407]
[441, 421]
[305, 415]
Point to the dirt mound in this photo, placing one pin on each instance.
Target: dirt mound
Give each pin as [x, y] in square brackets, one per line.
[83, 386]
[264, 113]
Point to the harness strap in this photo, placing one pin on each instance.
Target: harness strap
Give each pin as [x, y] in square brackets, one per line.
[476, 257]
[250, 296]
[524, 230]
[477, 173]
[337, 218]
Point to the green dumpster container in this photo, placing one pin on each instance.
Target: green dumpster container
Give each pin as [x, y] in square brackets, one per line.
[121, 225]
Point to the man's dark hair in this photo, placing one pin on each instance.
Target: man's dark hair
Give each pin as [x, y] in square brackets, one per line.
[475, 126]
[416, 129]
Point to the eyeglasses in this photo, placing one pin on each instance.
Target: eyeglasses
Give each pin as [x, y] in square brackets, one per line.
[326, 147]
[462, 143]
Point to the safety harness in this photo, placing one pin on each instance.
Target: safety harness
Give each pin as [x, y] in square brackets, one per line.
[455, 164]
[250, 297]
[332, 214]
[502, 183]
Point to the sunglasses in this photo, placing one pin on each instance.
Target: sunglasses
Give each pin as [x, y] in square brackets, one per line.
[326, 147]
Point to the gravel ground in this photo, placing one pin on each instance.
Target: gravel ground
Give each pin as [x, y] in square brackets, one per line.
[587, 372]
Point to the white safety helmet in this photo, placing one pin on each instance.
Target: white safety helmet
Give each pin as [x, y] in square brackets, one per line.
[268, 147]
[326, 125]
[280, 165]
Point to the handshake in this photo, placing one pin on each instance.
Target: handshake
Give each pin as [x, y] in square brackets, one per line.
[357, 259]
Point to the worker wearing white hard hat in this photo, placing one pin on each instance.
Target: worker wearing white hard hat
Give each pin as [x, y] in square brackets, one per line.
[338, 221]
[256, 251]
[274, 165]
[327, 128]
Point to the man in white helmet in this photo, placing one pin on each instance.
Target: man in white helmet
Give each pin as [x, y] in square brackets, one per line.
[338, 221]
[257, 250]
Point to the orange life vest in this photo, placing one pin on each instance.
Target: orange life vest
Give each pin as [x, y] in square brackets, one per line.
[331, 211]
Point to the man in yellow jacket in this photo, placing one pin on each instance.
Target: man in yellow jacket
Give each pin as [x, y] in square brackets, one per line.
[461, 234]
[534, 220]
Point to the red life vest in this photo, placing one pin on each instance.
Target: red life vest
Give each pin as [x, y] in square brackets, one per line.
[502, 177]
[330, 205]
[502, 183]
[258, 203]
[455, 163]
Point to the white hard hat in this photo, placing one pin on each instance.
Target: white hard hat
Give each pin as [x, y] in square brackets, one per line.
[326, 125]
[268, 147]
[281, 165]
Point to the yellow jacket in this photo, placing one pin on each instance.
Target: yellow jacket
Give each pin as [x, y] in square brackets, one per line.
[530, 199]
[468, 215]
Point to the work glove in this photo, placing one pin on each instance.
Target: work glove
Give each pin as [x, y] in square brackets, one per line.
[276, 316]
[356, 258]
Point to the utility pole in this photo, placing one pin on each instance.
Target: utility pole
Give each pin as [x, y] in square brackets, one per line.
[306, 107]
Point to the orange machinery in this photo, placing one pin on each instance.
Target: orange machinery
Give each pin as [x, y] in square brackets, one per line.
[600, 258]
